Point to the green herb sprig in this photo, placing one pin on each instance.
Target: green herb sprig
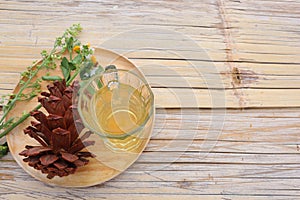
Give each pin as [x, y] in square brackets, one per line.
[3, 149]
[70, 69]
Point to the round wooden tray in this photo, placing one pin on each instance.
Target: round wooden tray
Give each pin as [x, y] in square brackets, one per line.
[106, 165]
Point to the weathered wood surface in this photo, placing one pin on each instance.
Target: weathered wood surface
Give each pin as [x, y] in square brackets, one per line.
[248, 56]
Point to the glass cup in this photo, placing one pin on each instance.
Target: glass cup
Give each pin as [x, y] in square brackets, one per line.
[117, 105]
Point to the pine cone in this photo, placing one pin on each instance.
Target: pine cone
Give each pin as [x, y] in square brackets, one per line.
[60, 151]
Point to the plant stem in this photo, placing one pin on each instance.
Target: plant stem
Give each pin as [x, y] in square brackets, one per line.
[70, 53]
[22, 119]
[13, 102]
[7, 111]
[6, 123]
[73, 77]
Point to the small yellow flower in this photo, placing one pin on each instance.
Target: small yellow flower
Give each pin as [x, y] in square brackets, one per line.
[93, 59]
[88, 45]
[76, 49]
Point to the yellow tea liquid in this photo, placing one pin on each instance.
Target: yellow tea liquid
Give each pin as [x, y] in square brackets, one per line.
[119, 110]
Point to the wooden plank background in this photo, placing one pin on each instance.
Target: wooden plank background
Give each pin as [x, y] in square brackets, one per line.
[251, 51]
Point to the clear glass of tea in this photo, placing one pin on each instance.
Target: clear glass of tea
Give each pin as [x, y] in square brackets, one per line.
[118, 105]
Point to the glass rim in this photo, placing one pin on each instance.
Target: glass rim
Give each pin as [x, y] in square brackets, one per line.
[107, 135]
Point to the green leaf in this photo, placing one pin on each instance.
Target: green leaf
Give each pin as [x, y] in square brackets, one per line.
[58, 41]
[44, 53]
[65, 68]
[77, 59]
[70, 44]
[99, 84]
[3, 150]
[72, 66]
[65, 62]
[75, 29]
[51, 78]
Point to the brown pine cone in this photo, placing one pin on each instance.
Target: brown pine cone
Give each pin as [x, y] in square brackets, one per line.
[60, 153]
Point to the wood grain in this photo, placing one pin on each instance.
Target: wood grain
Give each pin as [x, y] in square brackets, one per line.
[240, 57]
[255, 163]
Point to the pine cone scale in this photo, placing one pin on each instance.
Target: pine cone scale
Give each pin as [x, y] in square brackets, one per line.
[61, 165]
[69, 157]
[34, 151]
[48, 159]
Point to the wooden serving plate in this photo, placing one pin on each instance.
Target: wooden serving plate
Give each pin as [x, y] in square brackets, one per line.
[106, 165]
